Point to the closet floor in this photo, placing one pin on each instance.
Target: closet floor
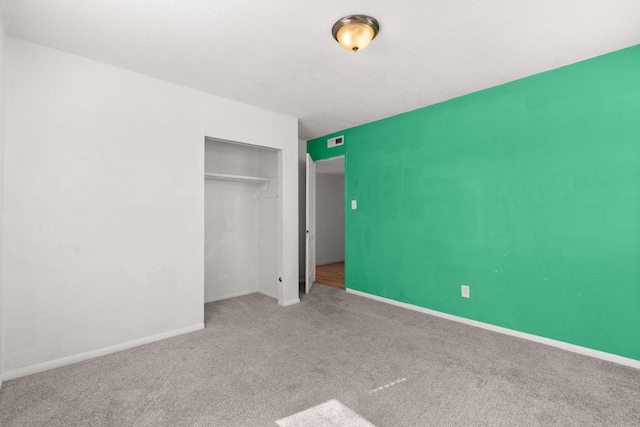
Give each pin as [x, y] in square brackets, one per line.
[331, 275]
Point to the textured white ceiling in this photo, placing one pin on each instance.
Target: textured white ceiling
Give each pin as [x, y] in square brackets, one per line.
[279, 54]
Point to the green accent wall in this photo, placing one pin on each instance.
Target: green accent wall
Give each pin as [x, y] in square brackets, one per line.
[528, 192]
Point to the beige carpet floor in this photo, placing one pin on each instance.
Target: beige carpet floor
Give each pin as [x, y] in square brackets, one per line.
[256, 363]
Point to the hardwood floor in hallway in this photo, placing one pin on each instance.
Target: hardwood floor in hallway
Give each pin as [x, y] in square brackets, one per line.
[331, 275]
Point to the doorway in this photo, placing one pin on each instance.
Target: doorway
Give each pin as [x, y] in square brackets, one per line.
[331, 274]
[328, 236]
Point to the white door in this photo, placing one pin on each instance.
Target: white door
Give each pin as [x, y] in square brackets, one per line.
[311, 225]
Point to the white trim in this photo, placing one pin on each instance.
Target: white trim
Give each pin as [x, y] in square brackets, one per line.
[535, 338]
[41, 367]
[237, 294]
[228, 177]
[268, 294]
[290, 302]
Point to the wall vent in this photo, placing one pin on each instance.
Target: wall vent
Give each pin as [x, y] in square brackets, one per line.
[335, 142]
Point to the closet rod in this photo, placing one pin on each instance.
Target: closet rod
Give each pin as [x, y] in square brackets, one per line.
[235, 177]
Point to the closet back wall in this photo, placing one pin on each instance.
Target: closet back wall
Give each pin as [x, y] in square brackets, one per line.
[268, 199]
[240, 222]
[231, 229]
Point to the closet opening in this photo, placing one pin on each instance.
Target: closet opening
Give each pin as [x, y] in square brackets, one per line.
[241, 250]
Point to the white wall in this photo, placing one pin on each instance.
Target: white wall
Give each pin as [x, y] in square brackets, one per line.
[104, 205]
[329, 218]
[2, 167]
[231, 222]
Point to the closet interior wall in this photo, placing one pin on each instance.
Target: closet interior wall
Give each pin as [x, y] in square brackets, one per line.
[241, 241]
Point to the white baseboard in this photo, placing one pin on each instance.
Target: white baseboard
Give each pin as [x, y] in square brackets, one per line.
[535, 338]
[268, 294]
[236, 294]
[290, 302]
[239, 294]
[41, 367]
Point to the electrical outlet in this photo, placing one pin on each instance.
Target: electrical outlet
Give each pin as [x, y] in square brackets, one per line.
[465, 291]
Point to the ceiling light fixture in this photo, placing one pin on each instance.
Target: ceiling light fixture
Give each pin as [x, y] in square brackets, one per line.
[355, 32]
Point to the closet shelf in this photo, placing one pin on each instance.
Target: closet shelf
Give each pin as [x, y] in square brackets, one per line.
[227, 177]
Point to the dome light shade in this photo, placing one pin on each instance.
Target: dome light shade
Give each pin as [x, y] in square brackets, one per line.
[355, 32]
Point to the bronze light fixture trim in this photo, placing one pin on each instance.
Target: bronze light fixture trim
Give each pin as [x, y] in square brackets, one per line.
[355, 32]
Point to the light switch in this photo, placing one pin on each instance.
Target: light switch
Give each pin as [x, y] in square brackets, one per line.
[354, 204]
[465, 291]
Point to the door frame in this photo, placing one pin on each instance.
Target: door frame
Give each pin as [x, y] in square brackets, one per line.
[310, 225]
[310, 241]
